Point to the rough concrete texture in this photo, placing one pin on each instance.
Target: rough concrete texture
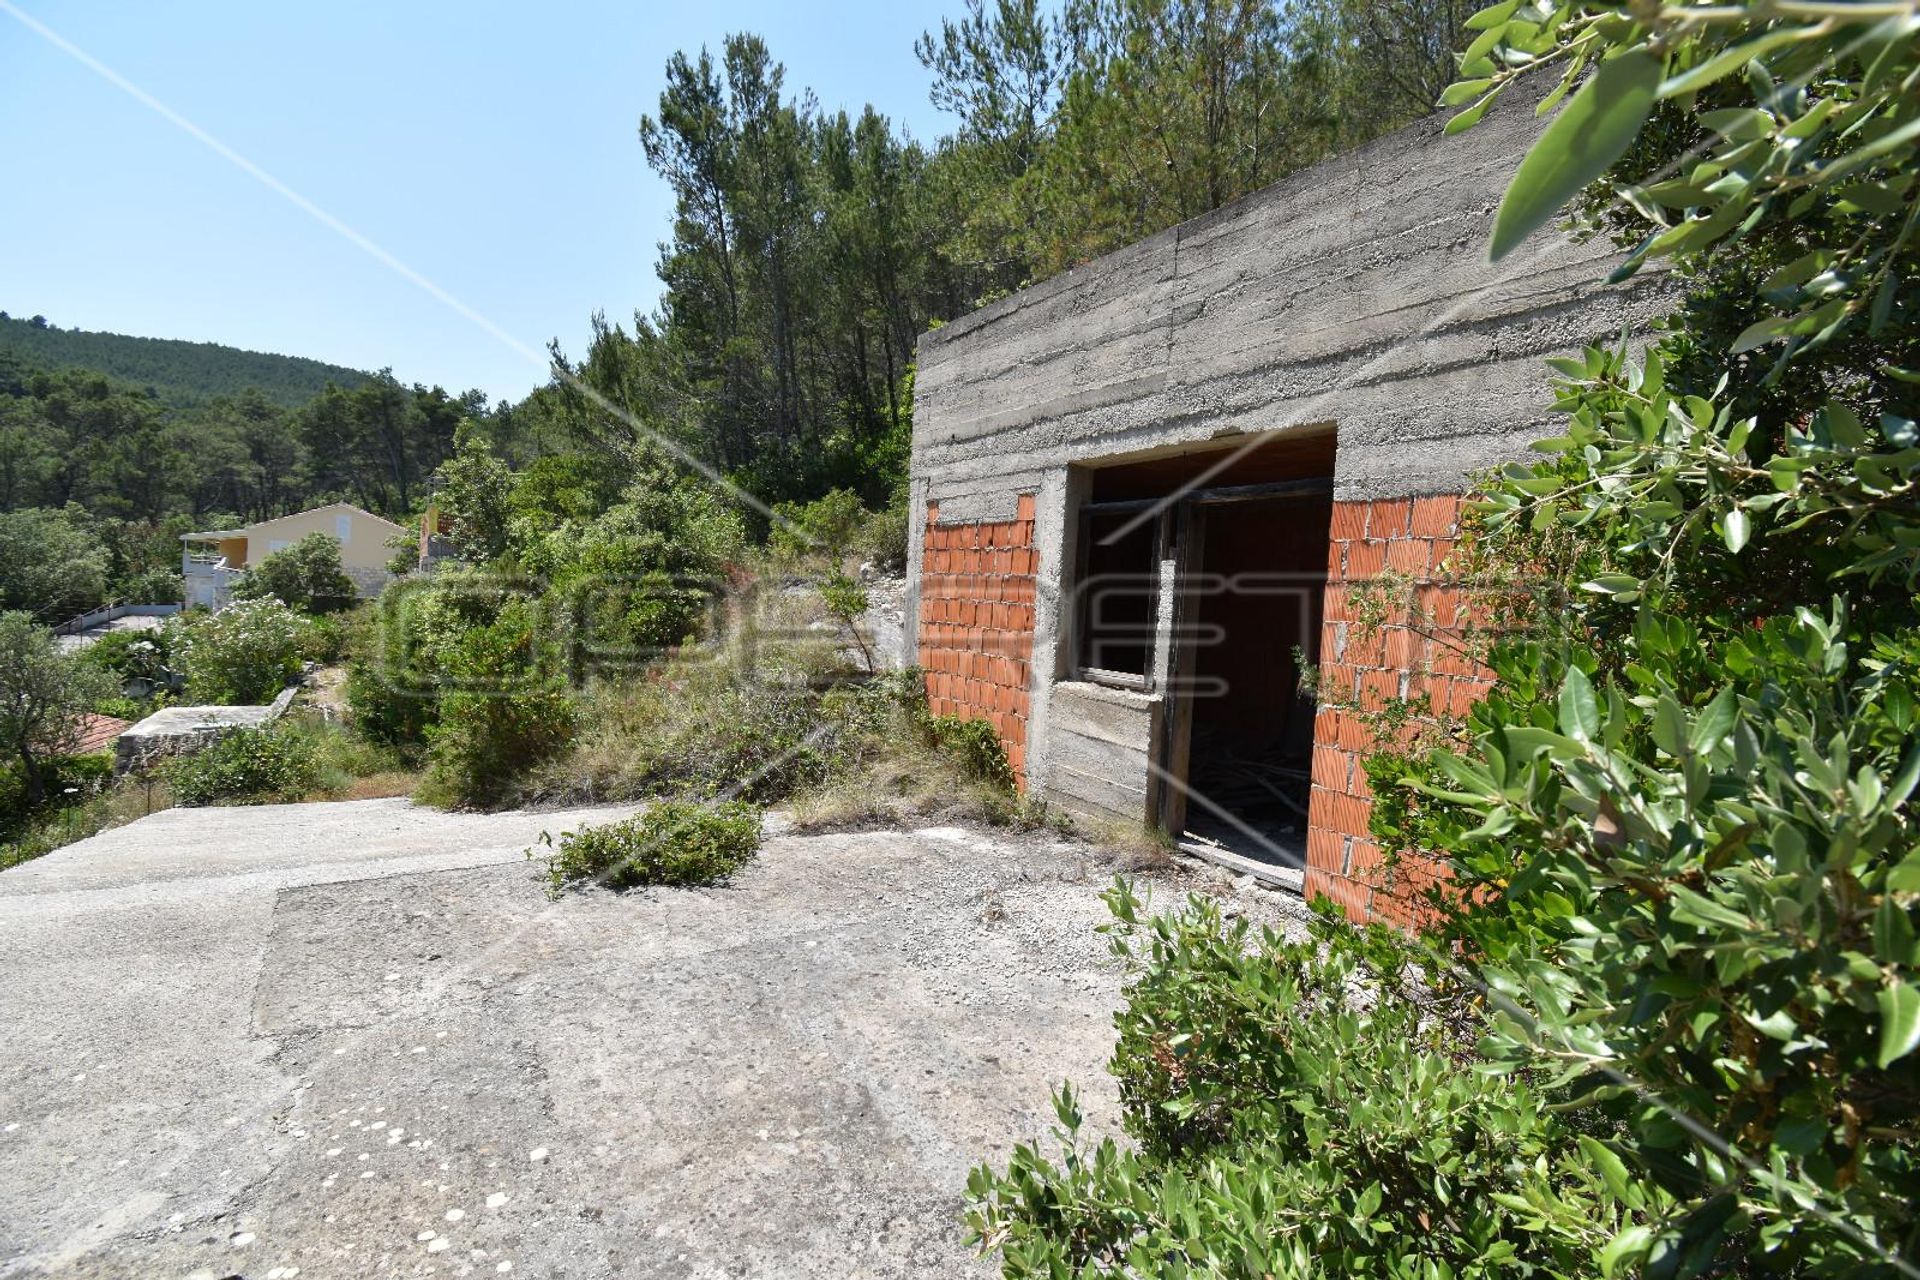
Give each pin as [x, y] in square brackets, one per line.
[1356, 292]
[356, 1039]
[173, 731]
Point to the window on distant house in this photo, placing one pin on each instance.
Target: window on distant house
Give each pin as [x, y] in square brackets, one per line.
[343, 528]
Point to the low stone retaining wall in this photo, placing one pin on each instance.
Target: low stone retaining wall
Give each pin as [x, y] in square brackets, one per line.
[178, 731]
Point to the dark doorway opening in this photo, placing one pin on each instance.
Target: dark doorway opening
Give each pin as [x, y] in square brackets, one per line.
[1256, 637]
[1238, 533]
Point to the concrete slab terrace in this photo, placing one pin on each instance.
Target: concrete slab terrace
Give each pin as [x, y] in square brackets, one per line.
[78, 640]
[357, 1039]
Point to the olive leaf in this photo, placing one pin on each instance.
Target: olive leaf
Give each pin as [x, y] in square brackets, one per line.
[1590, 133]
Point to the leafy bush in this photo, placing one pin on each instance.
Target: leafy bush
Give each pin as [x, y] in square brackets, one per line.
[673, 843]
[505, 710]
[1685, 823]
[475, 495]
[132, 655]
[882, 540]
[52, 563]
[67, 780]
[975, 745]
[45, 697]
[826, 526]
[306, 576]
[248, 766]
[642, 576]
[1683, 826]
[400, 651]
[82, 813]
[244, 655]
[346, 763]
[153, 585]
[326, 640]
[845, 600]
[1297, 1109]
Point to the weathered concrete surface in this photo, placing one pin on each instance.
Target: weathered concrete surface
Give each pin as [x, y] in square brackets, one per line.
[358, 1040]
[1355, 295]
[1356, 292]
[173, 731]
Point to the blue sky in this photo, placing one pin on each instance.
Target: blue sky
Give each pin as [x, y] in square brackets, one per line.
[490, 147]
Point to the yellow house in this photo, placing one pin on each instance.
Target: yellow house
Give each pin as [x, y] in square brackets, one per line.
[211, 560]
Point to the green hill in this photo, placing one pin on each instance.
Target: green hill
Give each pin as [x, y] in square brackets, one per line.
[181, 373]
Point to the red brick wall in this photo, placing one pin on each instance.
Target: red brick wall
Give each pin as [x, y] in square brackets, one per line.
[1410, 537]
[976, 622]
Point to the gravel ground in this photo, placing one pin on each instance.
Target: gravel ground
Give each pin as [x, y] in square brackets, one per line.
[356, 1039]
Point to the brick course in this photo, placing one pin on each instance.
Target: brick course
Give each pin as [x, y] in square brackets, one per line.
[1410, 538]
[976, 623]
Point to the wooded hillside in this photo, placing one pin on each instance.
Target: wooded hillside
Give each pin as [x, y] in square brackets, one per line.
[180, 373]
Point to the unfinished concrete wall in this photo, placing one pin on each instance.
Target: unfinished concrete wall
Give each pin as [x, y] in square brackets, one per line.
[1355, 293]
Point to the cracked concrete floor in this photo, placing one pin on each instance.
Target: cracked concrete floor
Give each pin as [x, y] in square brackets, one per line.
[356, 1039]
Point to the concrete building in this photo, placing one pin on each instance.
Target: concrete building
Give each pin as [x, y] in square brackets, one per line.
[1148, 490]
[225, 554]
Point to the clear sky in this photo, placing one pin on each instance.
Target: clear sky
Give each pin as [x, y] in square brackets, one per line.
[490, 147]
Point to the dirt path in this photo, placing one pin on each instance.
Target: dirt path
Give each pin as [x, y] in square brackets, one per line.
[356, 1039]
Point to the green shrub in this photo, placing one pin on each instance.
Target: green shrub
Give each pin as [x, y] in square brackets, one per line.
[77, 816]
[52, 562]
[341, 756]
[307, 576]
[827, 526]
[132, 655]
[1683, 825]
[1297, 1109]
[882, 539]
[975, 746]
[505, 711]
[68, 780]
[153, 585]
[845, 600]
[643, 575]
[246, 766]
[673, 843]
[394, 659]
[327, 638]
[244, 655]
[1684, 821]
